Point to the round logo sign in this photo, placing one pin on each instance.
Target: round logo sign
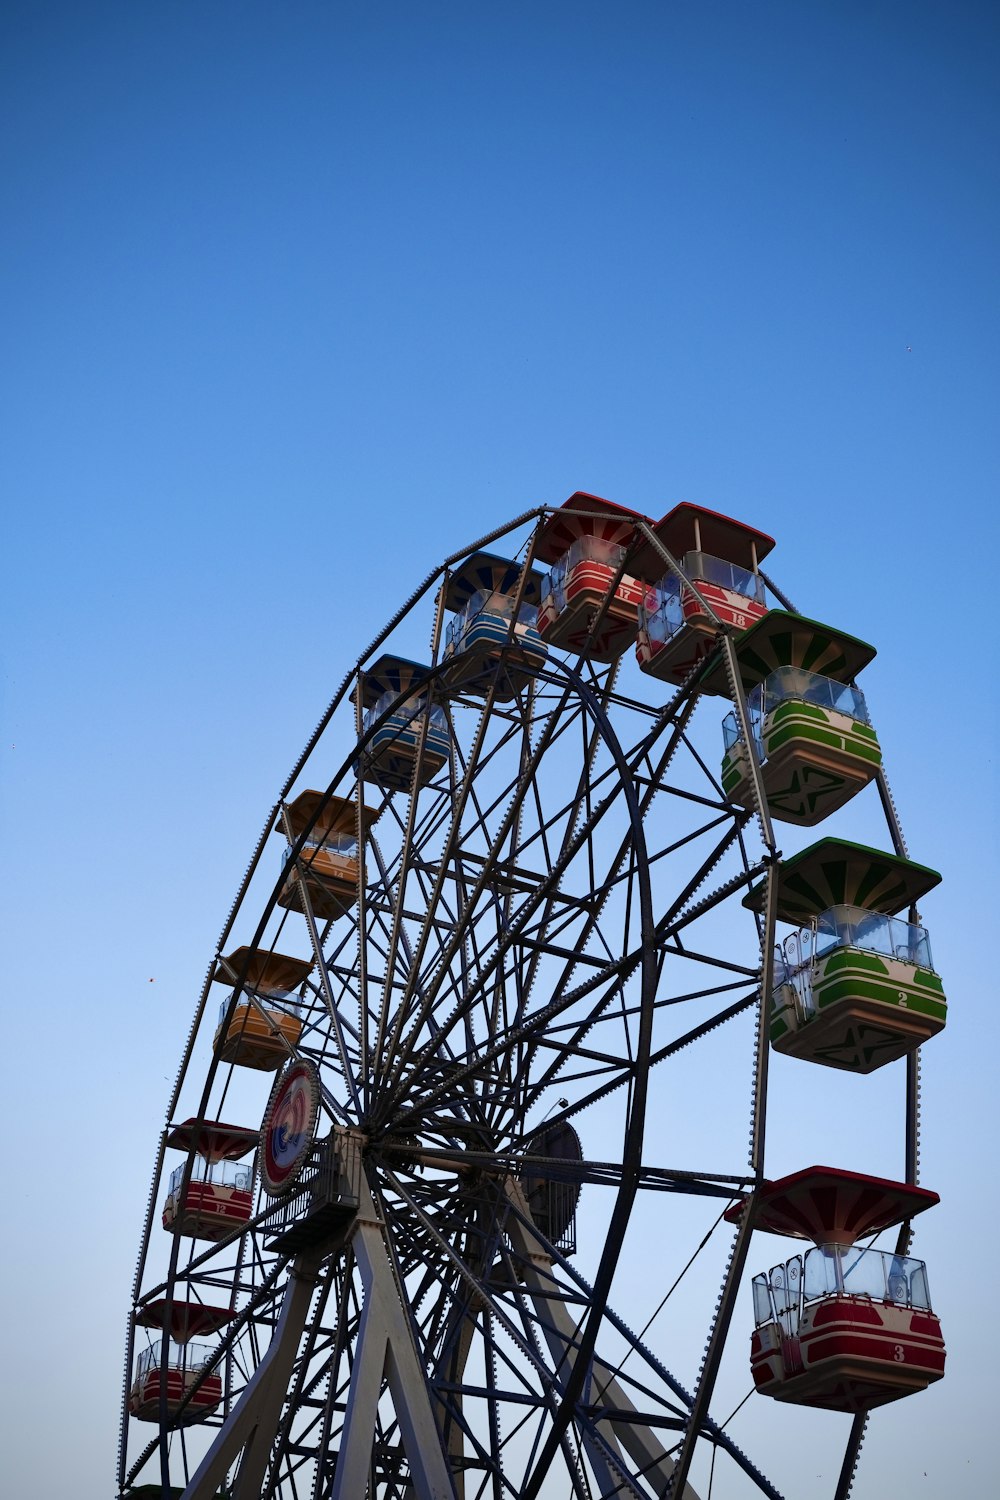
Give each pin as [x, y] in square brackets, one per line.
[289, 1127]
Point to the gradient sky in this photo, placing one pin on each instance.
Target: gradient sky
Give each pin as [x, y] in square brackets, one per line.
[299, 299]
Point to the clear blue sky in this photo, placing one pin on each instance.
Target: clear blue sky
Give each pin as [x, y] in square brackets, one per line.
[299, 299]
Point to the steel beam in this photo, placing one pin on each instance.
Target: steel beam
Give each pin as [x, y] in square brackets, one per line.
[627, 1431]
[386, 1352]
[251, 1425]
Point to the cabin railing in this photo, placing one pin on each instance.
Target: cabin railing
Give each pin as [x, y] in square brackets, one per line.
[782, 1294]
[488, 603]
[851, 927]
[189, 1357]
[405, 712]
[663, 609]
[279, 1001]
[592, 549]
[238, 1175]
[794, 684]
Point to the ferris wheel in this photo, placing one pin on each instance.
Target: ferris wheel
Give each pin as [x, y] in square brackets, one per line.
[510, 888]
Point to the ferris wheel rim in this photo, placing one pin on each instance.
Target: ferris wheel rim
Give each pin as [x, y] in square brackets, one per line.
[337, 780]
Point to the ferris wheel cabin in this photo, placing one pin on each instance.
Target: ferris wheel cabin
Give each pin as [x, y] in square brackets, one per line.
[590, 603]
[493, 640]
[218, 1195]
[192, 1390]
[854, 984]
[413, 736]
[810, 722]
[265, 1026]
[842, 1327]
[720, 557]
[328, 861]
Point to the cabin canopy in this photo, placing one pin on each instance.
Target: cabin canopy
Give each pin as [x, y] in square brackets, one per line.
[390, 674]
[183, 1320]
[834, 872]
[832, 1207]
[486, 573]
[782, 639]
[721, 536]
[600, 518]
[215, 1141]
[332, 814]
[260, 970]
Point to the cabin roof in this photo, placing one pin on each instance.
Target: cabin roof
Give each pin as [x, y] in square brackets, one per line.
[831, 1206]
[264, 971]
[835, 872]
[721, 536]
[389, 674]
[601, 518]
[338, 815]
[781, 639]
[183, 1320]
[492, 574]
[215, 1141]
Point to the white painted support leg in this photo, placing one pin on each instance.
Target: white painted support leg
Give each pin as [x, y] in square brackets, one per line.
[639, 1442]
[251, 1425]
[385, 1351]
